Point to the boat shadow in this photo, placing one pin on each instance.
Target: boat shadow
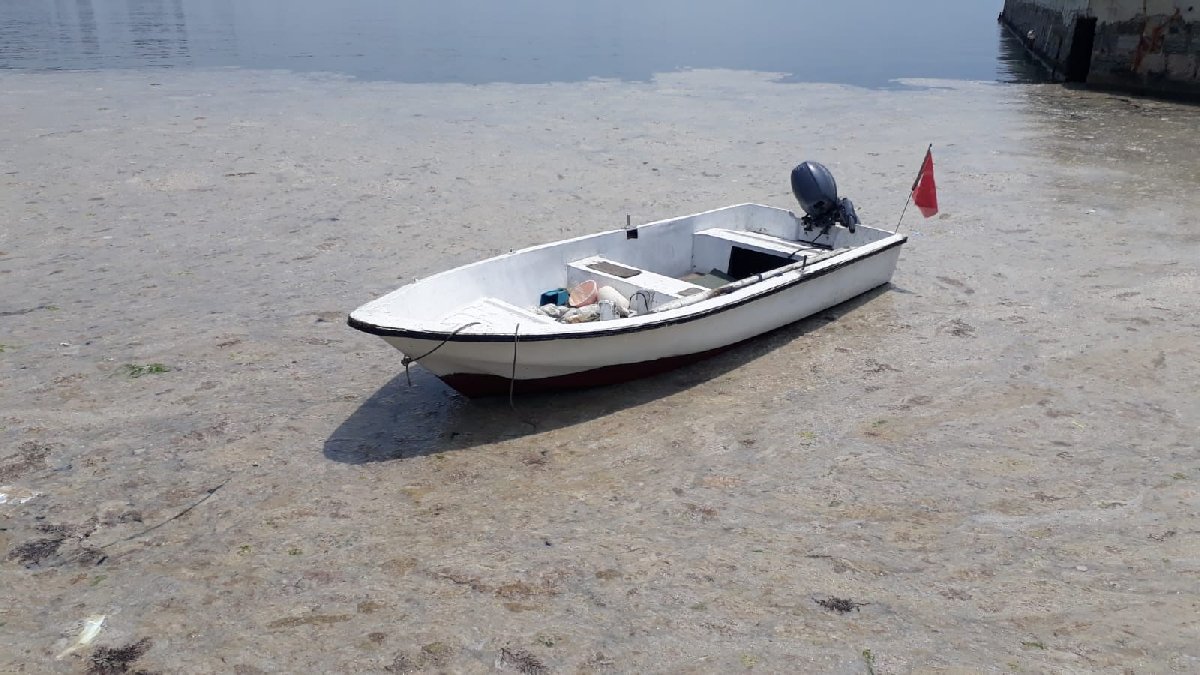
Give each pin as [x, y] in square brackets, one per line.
[401, 421]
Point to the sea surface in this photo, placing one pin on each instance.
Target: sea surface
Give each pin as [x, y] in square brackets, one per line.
[993, 458]
[869, 43]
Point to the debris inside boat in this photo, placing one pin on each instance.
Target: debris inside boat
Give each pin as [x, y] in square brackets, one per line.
[622, 304]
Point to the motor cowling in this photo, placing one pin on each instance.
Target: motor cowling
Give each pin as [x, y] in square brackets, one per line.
[816, 190]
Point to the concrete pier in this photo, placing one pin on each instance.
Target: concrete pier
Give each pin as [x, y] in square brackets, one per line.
[1149, 47]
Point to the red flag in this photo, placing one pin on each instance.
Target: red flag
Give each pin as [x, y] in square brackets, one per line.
[925, 189]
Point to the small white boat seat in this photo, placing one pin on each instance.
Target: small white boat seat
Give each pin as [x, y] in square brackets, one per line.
[492, 312]
[627, 279]
[711, 247]
[757, 241]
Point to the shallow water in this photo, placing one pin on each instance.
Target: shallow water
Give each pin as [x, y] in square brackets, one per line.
[995, 454]
[861, 42]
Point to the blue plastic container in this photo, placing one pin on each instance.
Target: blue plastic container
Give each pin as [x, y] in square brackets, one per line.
[557, 296]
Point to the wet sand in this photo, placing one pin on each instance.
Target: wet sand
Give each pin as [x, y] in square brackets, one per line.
[994, 459]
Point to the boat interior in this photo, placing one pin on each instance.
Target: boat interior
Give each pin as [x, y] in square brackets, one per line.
[719, 256]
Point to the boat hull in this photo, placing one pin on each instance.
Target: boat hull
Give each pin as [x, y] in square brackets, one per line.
[476, 367]
[478, 385]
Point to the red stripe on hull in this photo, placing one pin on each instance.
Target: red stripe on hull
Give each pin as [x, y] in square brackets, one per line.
[475, 385]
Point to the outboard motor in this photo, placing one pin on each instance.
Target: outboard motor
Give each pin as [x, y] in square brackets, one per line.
[816, 191]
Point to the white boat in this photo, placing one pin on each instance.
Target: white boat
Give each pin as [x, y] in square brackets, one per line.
[703, 282]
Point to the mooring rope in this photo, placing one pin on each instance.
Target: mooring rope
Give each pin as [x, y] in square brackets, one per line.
[512, 380]
[409, 360]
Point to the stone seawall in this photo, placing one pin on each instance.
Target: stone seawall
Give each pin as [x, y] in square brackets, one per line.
[1144, 47]
[1046, 30]
[1158, 54]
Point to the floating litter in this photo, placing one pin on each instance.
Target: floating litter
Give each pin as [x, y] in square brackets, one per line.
[91, 628]
[16, 495]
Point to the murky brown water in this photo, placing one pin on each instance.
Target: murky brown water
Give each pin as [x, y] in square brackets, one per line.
[996, 455]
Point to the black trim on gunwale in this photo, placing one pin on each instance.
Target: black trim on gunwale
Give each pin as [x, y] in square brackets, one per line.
[537, 337]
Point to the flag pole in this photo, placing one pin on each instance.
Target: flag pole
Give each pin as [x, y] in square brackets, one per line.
[913, 189]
